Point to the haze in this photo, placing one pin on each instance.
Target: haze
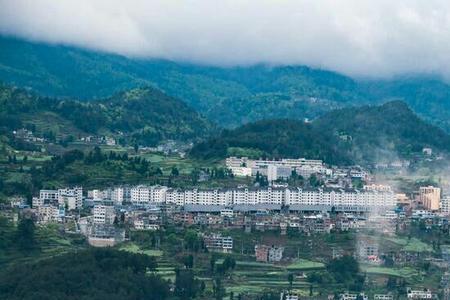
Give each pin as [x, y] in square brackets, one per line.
[355, 37]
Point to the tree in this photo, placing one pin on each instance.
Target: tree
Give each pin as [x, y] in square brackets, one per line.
[228, 263]
[188, 261]
[174, 172]
[218, 289]
[212, 262]
[25, 234]
[192, 240]
[186, 287]
[344, 269]
[290, 279]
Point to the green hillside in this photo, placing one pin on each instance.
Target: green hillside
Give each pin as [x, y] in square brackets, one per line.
[365, 135]
[145, 116]
[228, 96]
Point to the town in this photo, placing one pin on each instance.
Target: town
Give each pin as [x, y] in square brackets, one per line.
[272, 209]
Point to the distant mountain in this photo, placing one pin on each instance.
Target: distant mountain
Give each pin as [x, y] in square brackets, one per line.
[143, 115]
[227, 96]
[363, 135]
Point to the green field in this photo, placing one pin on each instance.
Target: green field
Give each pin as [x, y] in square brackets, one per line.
[304, 264]
[133, 248]
[405, 272]
[410, 245]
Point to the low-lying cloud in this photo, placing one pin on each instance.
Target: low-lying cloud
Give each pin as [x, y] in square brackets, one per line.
[357, 37]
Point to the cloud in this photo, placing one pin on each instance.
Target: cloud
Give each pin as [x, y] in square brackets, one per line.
[378, 38]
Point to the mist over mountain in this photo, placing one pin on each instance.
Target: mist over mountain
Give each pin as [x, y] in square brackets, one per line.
[227, 96]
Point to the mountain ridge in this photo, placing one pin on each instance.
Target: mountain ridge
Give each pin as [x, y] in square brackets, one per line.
[357, 135]
[143, 115]
[227, 96]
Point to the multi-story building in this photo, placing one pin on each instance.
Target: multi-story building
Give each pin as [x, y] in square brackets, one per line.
[430, 197]
[302, 166]
[48, 194]
[49, 214]
[340, 198]
[118, 195]
[219, 243]
[265, 253]
[96, 195]
[383, 297]
[419, 294]
[103, 214]
[445, 204]
[349, 296]
[142, 194]
[71, 197]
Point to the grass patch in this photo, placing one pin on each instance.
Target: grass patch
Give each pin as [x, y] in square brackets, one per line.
[405, 272]
[133, 248]
[304, 264]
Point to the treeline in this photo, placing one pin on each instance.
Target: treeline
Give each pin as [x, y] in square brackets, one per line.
[61, 169]
[363, 135]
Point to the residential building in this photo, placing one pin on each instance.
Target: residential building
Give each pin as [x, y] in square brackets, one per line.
[430, 197]
[419, 294]
[103, 214]
[219, 243]
[349, 296]
[72, 198]
[383, 297]
[265, 253]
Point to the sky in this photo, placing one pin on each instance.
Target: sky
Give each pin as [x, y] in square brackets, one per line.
[360, 38]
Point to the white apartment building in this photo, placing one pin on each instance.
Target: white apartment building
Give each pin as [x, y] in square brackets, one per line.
[419, 294]
[103, 214]
[37, 202]
[48, 194]
[96, 195]
[175, 196]
[302, 166]
[369, 198]
[142, 194]
[71, 197]
[445, 205]
[141, 224]
[118, 195]
[241, 171]
[340, 198]
[383, 297]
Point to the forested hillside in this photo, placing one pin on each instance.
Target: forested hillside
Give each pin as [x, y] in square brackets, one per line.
[228, 96]
[91, 274]
[145, 116]
[364, 135]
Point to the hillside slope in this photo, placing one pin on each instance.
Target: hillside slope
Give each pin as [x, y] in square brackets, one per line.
[143, 115]
[228, 96]
[364, 135]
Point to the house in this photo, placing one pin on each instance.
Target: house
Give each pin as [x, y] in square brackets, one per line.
[265, 253]
[219, 243]
[348, 296]
[419, 294]
[383, 297]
